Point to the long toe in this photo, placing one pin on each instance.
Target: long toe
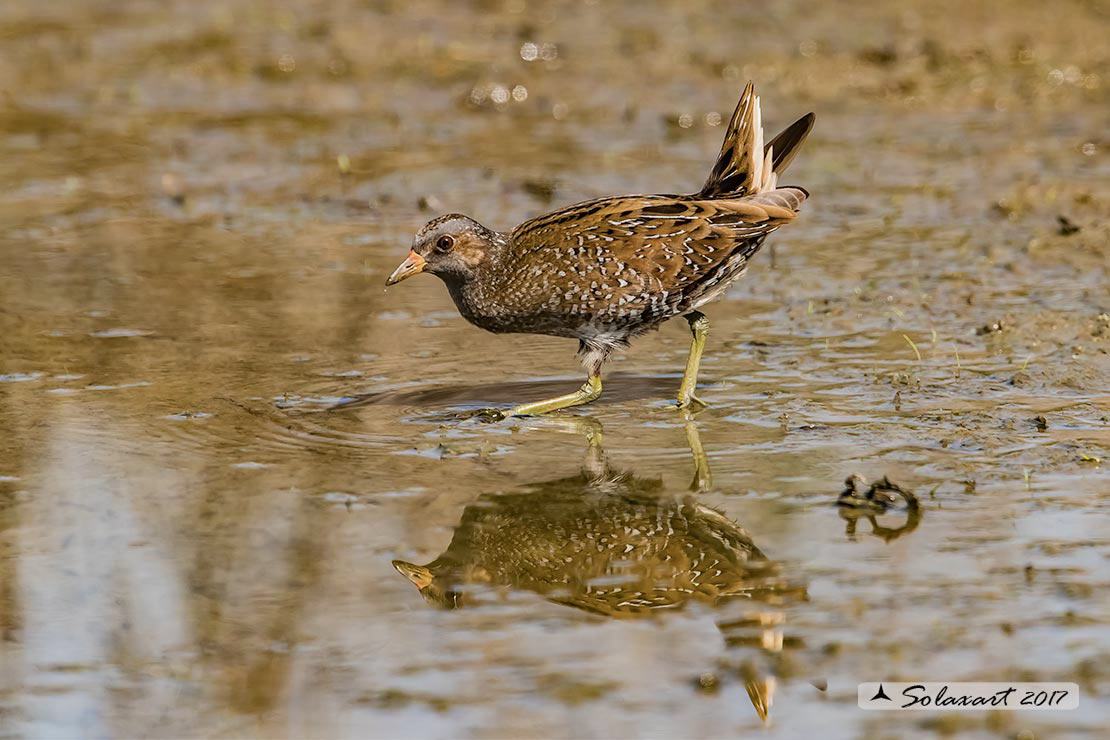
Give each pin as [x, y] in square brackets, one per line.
[483, 414]
[693, 403]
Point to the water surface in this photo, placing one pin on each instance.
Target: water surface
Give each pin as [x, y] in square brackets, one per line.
[201, 203]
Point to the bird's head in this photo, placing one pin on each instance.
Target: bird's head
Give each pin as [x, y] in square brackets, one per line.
[431, 588]
[452, 247]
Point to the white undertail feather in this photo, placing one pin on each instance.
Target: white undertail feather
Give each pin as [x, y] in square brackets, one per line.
[770, 177]
[755, 146]
[763, 177]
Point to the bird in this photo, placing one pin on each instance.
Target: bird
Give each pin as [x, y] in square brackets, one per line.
[607, 270]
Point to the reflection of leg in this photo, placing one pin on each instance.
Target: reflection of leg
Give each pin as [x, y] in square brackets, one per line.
[584, 426]
[589, 391]
[699, 327]
[703, 478]
[595, 464]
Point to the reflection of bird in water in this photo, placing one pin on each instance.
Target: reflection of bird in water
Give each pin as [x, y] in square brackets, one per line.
[609, 543]
[614, 545]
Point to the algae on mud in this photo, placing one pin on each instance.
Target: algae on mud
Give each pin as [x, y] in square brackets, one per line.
[192, 544]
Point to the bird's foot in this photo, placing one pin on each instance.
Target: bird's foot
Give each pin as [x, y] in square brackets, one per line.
[589, 391]
[487, 415]
[692, 404]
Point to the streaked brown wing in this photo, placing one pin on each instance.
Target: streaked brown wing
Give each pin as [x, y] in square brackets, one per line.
[650, 255]
[697, 245]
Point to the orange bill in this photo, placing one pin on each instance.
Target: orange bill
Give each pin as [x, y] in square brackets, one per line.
[413, 264]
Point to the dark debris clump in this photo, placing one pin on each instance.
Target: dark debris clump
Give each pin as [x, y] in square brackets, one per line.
[882, 495]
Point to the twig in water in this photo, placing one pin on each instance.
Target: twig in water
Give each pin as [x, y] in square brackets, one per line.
[914, 346]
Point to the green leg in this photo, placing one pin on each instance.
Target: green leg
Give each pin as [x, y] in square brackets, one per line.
[699, 327]
[589, 391]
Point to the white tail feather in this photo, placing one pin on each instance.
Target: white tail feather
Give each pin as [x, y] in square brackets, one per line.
[770, 177]
[756, 144]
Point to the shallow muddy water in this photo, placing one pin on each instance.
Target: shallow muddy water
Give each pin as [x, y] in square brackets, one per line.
[218, 431]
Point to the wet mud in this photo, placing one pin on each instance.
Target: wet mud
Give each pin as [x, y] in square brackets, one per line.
[228, 454]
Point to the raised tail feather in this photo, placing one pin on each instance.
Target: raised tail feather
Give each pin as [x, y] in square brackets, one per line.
[745, 166]
[782, 202]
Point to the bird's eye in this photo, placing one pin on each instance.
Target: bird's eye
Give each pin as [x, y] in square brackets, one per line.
[444, 243]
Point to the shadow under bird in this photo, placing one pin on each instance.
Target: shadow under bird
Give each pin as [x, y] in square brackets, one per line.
[606, 270]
